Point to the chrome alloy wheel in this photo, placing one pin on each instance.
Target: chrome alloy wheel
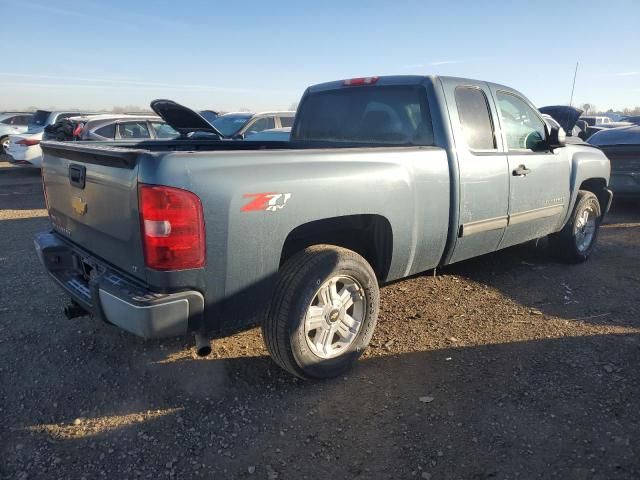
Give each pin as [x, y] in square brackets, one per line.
[585, 229]
[335, 316]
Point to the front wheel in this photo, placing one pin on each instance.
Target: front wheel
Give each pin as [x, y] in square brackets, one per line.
[323, 313]
[575, 242]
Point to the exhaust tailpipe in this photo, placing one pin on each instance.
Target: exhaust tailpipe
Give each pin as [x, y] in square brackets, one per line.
[203, 345]
[74, 310]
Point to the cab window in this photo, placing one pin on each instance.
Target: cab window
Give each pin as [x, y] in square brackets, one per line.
[524, 129]
[473, 111]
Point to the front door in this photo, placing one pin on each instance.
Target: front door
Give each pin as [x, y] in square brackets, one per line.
[538, 177]
[483, 169]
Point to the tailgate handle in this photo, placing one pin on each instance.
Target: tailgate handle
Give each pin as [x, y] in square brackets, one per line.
[77, 175]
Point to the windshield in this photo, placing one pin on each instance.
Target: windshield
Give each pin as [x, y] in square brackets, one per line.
[39, 118]
[209, 115]
[229, 124]
[374, 115]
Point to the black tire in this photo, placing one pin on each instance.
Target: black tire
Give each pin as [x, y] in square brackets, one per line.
[2, 142]
[298, 282]
[564, 244]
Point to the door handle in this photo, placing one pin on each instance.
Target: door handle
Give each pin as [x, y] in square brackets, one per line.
[521, 171]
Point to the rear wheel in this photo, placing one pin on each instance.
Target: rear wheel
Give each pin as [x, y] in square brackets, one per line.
[4, 144]
[323, 312]
[575, 242]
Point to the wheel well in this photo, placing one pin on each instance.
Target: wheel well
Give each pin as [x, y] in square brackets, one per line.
[368, 235]
[597, 186]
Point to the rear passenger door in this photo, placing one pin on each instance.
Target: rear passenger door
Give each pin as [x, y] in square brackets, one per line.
[483, 168]
[539, 178]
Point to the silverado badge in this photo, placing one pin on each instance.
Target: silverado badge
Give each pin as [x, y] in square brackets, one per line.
[79, 205]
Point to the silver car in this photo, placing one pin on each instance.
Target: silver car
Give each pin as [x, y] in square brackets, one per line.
[12, 123]
[238, 125]
[124, 127]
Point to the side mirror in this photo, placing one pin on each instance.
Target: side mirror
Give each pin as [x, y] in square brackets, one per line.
[557, 137]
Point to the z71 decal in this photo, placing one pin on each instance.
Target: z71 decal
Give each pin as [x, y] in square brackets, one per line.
[268, 201]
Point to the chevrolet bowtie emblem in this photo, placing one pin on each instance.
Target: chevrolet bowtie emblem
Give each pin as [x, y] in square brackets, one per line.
[79, 205]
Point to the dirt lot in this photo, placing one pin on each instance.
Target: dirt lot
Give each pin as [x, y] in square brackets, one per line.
[508, 366]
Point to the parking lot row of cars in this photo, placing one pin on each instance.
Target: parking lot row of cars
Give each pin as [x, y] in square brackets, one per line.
[619, 140]
[22, 132]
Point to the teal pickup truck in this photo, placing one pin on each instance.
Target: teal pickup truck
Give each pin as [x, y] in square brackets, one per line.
[383, 177]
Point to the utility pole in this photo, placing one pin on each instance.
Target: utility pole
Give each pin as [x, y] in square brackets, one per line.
[574, 84]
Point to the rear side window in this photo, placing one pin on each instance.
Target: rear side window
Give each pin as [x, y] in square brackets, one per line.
[133, 130]
[393, 115]
[22, 120]
[108, 131]
[475, 118]
[40, 118]
[261, 124]
[286, 121]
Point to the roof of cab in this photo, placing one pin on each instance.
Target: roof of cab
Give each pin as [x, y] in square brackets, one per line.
[403, 80]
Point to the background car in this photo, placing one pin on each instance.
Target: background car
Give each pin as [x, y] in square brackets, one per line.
[595, 120]
[10, 124]
[237, 125]
[110, 127]
[273, 135]
[577, 125]
[24, 150]
[635, 119]
[42, 118]
[622, 147]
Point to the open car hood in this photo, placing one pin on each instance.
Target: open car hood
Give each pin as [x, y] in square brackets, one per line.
[566, 116]
[182, 119]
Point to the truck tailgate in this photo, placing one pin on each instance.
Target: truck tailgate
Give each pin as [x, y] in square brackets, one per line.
[92, 199]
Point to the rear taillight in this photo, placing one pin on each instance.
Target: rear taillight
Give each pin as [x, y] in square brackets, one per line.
[172, 226]
[352, 82]
[27, 142]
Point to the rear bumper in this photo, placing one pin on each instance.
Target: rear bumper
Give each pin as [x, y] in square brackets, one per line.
[108, 295]
[25, 156]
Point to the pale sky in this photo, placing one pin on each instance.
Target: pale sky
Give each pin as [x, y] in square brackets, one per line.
[261, 55]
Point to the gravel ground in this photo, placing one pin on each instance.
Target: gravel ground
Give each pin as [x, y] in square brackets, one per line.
[507, 366]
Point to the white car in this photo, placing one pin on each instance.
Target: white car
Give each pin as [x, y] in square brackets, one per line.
[12, 123]
[24, 150]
